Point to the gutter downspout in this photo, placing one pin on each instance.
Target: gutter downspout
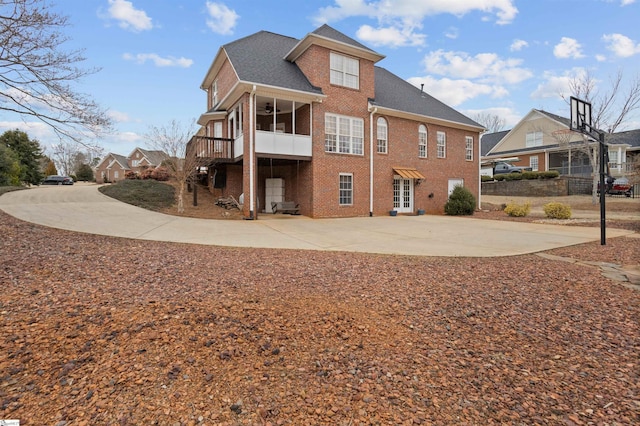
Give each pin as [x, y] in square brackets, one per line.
[371, 161]
[251, 155]
[479, 206]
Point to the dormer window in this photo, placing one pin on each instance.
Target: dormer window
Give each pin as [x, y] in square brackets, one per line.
[345, 71]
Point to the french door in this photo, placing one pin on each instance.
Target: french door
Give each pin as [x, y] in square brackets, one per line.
[402, 195]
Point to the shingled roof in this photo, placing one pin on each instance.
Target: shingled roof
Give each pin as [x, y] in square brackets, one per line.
[260, 59]
[489, 140]
[398, 94]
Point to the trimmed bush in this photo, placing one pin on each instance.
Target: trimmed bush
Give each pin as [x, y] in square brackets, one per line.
[485, 178]
[557, 211]
[499, 178]
[460, 202]
[513, 176]
[131, 175]
[530, 175]
[551, 174]
[517, 210]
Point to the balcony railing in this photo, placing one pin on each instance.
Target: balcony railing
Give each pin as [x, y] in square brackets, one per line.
[213, 148]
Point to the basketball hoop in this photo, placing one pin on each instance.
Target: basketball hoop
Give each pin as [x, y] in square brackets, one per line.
[580, 116]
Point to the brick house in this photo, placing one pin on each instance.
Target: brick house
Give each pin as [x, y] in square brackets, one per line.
[542, 140]
[316, 122]
[113, 167]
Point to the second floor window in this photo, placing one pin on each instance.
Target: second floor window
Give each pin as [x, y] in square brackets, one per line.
[442, 145]
[345, 71]
[382, 136]
[533, 139]
[343, 134]
[422, 141]
[468, 150]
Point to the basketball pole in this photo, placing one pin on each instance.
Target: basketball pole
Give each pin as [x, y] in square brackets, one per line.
[603, 223]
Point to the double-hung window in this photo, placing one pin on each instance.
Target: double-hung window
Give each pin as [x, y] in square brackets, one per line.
[442, 145]
[346, 189]
[533, 163]
[533, 139]
[344, 135]
[422, 141]
[468, 149]
[345, 71]
[382, 136]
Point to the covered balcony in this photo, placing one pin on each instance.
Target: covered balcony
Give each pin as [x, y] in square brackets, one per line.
[283, 128]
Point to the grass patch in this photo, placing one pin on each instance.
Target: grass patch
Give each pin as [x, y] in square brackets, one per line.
[148, 194]
[5, 189]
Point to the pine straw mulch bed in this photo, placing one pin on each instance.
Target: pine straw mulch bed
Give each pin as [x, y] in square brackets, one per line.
[101, 330]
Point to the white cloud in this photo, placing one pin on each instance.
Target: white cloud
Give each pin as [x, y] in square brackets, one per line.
[568, 48]
[35, 129]
[452, 33]
[621, 45]
[129, 17]
[411, 11]
[390, 36]
[222, 20]
[486, 67]
[556, 86]
[118, 117]
[518, 45]
[455, 92]
[627, 2]
[159, 61]
[601, 58]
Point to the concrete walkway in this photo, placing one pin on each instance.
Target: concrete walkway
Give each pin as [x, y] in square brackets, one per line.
[83, 208]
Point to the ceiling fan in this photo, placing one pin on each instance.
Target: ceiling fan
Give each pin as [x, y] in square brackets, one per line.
[268, 108]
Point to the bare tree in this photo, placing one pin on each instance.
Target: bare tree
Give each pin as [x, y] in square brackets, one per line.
[173, 139]
[69, 156]
[492, 122]
[610, 109]
[36, 74]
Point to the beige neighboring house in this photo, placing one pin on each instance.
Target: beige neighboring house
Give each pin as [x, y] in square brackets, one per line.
[543, 141]
[114, 166]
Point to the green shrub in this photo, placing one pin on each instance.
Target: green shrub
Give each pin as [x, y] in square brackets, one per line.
[557, 211]
[551, 174]
[517, 210]
[513, 176]
[530, 175]
[460, 202]
[485, 178]
[499, 177]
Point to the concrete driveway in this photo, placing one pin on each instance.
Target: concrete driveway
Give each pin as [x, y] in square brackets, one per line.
[83, 208]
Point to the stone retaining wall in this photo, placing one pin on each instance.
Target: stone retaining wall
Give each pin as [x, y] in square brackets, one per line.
[527, 188]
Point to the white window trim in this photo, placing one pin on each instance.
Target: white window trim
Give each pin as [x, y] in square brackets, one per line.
[468, 155]
[350, 190]
[534, 163]
[422, 142]
[342, 70]
[533, 139]
[382, 140]
[442, 144]
[352, 142]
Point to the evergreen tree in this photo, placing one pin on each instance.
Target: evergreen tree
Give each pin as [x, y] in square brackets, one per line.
[84, 173]
[9, 167]
[28, 152]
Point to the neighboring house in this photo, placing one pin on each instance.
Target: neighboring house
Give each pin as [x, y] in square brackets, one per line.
[142, 159]
[543, 141]
[316, 122]
[114, 166]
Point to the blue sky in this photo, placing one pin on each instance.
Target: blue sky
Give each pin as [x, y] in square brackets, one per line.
[503, 57]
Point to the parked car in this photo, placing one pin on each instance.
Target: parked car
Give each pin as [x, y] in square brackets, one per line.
[57, 180]
[619, 186]
[508, 168]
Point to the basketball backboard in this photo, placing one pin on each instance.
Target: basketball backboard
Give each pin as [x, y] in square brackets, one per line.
[580, 115]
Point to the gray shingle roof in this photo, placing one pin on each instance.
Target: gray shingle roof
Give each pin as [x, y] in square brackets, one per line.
[489, 140]
[328, 32]
[630, 137]
[154, 157]
[259, 58]
[563, 120]
[393, 92]
[122, 160]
